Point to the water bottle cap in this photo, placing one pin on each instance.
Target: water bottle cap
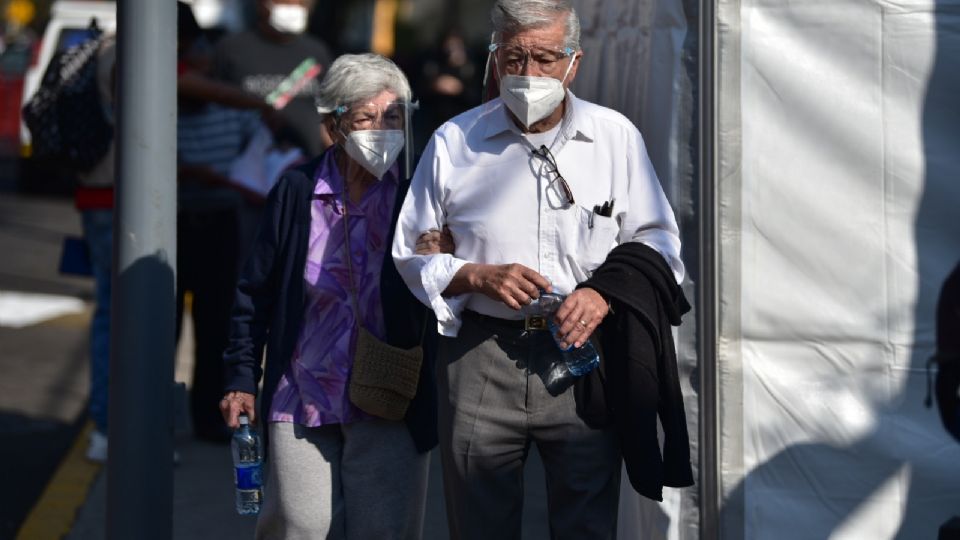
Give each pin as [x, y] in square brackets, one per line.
[244, 420]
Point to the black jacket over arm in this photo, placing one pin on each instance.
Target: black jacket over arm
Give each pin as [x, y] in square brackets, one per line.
[637, 378]
[270, 303]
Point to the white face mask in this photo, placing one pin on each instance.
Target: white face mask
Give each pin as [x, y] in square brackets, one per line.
[532, 99]
[288, 18]
[374, 149]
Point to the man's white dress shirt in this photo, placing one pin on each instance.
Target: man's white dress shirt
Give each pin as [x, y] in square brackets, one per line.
[478, 176]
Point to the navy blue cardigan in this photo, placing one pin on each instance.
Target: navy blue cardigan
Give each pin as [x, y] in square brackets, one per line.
[270, 303]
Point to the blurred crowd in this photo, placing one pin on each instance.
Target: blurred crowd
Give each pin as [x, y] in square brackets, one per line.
[443, 58]
[247, 79]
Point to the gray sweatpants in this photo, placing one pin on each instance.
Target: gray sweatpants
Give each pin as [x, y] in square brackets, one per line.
[493, 404]
[352, 481]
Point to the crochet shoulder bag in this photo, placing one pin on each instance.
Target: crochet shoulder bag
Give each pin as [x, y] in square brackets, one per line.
[384, 378]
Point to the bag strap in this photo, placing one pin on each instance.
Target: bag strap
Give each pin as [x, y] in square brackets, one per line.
[353, 285]
[349, 256]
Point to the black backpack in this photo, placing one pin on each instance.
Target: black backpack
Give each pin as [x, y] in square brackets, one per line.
[947, 356]
[65, 116]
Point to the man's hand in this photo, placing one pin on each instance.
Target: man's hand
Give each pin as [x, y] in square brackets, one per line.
[513, 284]
[579, 316]
[434, 241]
[234, 403]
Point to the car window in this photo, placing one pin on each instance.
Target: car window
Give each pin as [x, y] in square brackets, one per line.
[70, 37]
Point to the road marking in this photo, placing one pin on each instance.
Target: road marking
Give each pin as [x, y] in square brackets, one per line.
[18, 309]
[55, 513]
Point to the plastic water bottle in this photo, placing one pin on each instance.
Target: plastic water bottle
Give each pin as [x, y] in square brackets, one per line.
[247, 467]
[575, 362]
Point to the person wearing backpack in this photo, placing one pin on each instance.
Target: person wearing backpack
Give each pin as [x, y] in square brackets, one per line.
[70, 118]
[93, 197]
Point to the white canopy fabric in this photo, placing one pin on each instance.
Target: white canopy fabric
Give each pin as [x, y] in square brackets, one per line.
[640, 59]
[838, 135]
[839, 189]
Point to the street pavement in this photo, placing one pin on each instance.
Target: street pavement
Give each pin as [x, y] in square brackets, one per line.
[43, 392]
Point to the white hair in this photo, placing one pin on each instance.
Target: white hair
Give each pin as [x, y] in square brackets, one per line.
[356, 77]
[511, 16]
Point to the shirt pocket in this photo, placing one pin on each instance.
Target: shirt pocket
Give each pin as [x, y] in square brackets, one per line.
[596, 236]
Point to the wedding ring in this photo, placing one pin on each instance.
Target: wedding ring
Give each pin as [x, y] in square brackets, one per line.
[582, 323]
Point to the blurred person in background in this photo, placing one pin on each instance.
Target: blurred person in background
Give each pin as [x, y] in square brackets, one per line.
[94, 197]
[449, 82]
[210, 136]
[320, 267]
[282, 65]
[515, 180]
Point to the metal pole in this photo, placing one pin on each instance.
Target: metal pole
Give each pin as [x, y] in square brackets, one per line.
[140, 472]
[707, 291]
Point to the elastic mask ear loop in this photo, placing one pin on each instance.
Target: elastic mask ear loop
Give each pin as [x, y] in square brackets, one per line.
[338, 116]
[491, 52]
[342, 146]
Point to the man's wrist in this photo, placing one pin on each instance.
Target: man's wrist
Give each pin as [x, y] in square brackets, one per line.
[603, 297]
[464, 281]
[471, 280]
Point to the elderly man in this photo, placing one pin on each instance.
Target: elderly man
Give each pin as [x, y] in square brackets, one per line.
[536, 187]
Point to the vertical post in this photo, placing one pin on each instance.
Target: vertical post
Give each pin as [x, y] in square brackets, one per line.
[140, 473]
[707, 291]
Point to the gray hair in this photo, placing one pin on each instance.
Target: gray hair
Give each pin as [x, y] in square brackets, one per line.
[356, 77]
[511, 16]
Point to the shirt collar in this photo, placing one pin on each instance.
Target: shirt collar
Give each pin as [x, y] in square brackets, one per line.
[572, 125]
[329, 181]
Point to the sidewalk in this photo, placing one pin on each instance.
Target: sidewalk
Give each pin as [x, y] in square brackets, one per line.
[203, 500]
[203, 507]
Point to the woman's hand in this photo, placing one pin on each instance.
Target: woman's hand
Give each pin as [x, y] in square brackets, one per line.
[434, 241]
[235, 403]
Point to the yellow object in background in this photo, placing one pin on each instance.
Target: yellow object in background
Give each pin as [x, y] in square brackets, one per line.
[383, 38]
[20, 12]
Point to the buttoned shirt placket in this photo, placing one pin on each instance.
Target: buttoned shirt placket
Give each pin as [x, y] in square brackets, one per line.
[548, 228]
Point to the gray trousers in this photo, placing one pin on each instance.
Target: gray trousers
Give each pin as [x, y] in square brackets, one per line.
[492, 406]
[358, 481]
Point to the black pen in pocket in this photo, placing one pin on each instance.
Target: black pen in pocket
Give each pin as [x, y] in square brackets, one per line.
[606, 210]
[609, 208]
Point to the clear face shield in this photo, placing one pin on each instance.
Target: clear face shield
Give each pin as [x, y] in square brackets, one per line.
[376, 134]
[531, 78]
[511, 59]
[543, 61]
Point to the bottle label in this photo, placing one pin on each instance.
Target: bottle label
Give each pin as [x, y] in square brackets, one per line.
[248, 477]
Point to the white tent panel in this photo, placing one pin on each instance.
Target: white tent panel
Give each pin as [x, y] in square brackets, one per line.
[633, 62]
[838, 228]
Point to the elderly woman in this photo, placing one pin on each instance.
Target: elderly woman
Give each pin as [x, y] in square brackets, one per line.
[335, 471]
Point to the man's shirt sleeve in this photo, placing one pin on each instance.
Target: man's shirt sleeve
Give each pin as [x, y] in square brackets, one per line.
[428, 276]
[650, 220]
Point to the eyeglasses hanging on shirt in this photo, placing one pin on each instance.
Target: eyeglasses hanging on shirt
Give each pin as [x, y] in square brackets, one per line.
[544, 153]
